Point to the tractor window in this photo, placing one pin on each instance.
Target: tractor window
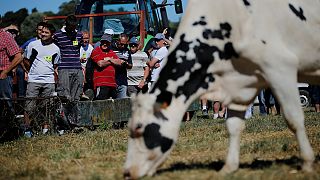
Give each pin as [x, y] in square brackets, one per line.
[119, 23]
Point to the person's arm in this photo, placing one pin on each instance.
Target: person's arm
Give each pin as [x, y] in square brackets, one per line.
[17, 58]
[129, 63]
[152, 62]
[146, 73]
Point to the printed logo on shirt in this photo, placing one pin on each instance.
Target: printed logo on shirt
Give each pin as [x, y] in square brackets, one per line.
[84, 55]
[75, 43]
[48, 58]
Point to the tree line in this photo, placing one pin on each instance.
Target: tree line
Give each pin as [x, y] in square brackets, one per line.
[28, 22]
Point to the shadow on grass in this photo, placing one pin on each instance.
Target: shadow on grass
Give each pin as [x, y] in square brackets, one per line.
[293, 162]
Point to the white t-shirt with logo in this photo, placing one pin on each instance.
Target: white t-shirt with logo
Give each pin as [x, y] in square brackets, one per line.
[85, 54]
[42, 70]
[159, 54]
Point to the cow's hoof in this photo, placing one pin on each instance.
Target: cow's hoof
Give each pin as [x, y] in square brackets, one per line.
[228, 169]
[307, 167]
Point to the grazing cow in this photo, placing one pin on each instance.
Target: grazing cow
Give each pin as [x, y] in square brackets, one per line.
[228, 50]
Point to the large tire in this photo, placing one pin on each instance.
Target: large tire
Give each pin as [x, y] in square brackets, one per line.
[305, 98]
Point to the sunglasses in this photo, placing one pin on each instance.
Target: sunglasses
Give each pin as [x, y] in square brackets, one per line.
[133, 45]
[13, 31]
[104, 42]
[121, 44]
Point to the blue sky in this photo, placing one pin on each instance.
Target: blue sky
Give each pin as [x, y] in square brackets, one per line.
[53, 5]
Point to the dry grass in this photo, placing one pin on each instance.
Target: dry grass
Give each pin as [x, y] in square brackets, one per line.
[268, 151]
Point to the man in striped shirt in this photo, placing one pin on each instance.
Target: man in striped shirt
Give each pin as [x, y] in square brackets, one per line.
[70, 76]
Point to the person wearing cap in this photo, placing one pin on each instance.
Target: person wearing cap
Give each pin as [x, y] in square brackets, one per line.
[133, 44]
[106, 31]
[104, 75]
[121, 71]
[156, 60]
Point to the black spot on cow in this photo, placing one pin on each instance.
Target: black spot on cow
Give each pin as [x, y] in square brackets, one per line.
[164, 97]
[246, 2]
[223, 32]
[201, 22]
[153, 138]
[160, 115]
[298, 13]
[228, 52]
[234, 113]
[263, 41]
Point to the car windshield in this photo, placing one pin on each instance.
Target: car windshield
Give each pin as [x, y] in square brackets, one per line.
[119, 23]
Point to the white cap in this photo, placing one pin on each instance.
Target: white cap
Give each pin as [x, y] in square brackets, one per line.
[109, 31]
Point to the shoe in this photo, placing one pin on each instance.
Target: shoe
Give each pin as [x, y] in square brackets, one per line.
[28, 134]
[61, 132]
[84, 97]
[45, 130]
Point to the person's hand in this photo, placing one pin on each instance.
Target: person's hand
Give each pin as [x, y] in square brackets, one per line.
[83, 60]
[3, 75]
[165, 31]
[26, 76]
[141, 84]
[156, 65]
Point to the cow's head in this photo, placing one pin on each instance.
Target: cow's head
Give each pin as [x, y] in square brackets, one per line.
[151, 137]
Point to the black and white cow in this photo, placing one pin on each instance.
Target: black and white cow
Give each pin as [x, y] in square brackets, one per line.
[228, 50]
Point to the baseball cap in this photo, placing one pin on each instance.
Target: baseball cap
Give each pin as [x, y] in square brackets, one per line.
[106, 37]
[159, 36]
[109, 31]
[134, 40]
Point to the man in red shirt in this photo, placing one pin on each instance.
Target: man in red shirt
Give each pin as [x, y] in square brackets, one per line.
[10, 57]
[104, 81]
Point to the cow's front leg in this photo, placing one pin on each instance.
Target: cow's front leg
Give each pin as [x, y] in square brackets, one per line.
[235, 125]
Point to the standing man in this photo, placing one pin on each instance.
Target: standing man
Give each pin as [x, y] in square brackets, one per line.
[156, 62]
[104, 76]
[70, 76]
[121, 71]
[22, 71]
[85, 53]
[43, 56]
[10, 57]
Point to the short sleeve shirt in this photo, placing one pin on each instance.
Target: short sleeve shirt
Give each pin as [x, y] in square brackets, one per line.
[8, 48]
[160, 55]
[44, 58]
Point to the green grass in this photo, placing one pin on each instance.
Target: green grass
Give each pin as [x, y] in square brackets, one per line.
[268, 151]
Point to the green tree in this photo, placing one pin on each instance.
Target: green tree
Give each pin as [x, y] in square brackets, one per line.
[16, 18]
[28, 27]
[67, 8]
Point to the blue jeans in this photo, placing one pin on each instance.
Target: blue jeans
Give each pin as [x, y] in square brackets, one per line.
[21, 82]
[6, 91]
[122, 91]
[262, 103]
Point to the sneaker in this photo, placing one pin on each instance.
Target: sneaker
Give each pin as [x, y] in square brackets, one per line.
[84, 97]
[28, 134]
[45, 130]
[61, 132]
[215, 116]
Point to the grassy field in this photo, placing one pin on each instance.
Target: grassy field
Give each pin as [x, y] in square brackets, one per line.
[268, 151]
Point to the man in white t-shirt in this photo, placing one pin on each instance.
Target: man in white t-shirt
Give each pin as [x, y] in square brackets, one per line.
[85, 53]
[156, 60]
[44, 57]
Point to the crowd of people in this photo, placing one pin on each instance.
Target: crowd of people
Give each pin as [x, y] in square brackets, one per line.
[63, 62]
